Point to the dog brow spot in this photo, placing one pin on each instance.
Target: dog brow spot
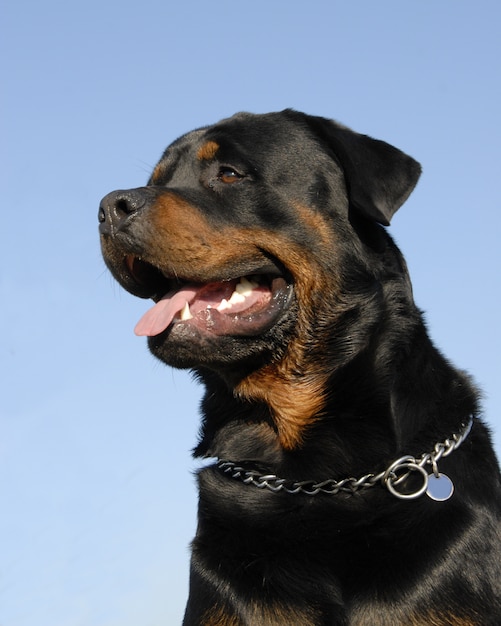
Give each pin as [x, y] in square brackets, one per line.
[207, 151]
[216, 616]
[157, 173]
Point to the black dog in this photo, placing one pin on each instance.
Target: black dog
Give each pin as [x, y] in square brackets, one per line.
[353, 482]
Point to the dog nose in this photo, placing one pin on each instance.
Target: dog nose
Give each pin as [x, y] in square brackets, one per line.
[117, 208]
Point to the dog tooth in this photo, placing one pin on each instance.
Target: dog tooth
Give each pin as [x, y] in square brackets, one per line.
[245, 286]
[186, 313]
[237, 298]
[222, 305]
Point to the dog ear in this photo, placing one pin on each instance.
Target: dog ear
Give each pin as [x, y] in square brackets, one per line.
[379, 177]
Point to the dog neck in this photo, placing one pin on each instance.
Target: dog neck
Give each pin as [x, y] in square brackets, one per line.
[436, 485]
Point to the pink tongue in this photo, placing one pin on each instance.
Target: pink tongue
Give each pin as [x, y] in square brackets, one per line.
[156, 320]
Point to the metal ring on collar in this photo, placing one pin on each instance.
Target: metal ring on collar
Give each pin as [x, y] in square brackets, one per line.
[390, 478]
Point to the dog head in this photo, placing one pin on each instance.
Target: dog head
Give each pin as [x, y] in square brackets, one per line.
[260, 241]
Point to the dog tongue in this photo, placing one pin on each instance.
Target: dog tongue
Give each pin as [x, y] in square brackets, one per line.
[156, 320]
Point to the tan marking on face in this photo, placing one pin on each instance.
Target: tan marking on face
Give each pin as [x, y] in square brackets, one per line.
[315, 222]
[182, 241]
[207, 151]
[293, 387]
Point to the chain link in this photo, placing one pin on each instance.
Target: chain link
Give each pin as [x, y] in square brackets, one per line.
[389, 478]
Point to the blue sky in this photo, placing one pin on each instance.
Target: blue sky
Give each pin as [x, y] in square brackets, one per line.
[97, 494]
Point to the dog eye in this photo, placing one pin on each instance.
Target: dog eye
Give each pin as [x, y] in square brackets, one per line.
[228, 175]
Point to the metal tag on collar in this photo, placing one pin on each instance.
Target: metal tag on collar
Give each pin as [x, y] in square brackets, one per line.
[440, 487]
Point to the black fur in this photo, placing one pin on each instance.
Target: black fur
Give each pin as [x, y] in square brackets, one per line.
[338, 381]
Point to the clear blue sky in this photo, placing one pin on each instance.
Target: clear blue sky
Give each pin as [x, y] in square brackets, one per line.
[96, 488]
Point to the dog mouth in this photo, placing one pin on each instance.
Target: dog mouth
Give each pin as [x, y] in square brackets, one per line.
[247, 305]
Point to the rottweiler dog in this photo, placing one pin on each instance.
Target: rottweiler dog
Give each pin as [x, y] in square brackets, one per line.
[353, 482]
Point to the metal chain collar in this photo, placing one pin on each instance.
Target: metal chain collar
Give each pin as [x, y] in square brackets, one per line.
[436, 485]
